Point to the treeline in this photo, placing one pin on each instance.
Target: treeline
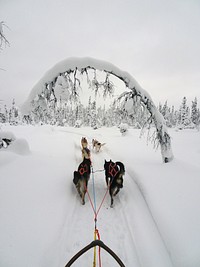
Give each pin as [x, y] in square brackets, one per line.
[187, 116]
[77, 115]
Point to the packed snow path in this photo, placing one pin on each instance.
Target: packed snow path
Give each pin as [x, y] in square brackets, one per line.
[128, 229]
[154, 222]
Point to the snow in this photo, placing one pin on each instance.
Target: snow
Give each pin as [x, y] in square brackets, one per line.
[79, 63]
[87, 62]
[155, 220]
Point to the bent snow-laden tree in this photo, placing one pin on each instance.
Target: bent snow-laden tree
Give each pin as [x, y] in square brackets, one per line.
[3, 40]
[62, 82]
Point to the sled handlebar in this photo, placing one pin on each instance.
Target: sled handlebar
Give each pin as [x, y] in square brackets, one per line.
[91, 245]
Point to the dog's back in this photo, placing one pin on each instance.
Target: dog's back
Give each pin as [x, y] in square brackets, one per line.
[81, 178]
[85, 153]
[97, 145]
[85, 167]
[114, 177]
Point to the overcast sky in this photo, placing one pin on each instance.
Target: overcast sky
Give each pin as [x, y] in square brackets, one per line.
[156, 41]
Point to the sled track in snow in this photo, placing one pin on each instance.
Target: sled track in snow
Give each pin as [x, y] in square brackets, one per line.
[153, 219]
[112, 223]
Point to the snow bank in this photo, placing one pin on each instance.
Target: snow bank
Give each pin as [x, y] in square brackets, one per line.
[7, 134]
[18, 146]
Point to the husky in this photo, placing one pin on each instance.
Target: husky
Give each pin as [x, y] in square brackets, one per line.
[85, 153]
[81, 178]
[84, 142]
[85, 150]
[97, 145]
[114, 173]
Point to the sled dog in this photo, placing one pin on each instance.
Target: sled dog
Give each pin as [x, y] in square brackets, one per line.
[85, 153]
[84, 142]
[81, 178]
[114, 173]
[85, 150]
[97, 145]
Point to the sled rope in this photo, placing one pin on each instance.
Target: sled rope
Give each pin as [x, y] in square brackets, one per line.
[94, 208]
[94, 195]
[96, 232]
[98, 171]
[97, 240]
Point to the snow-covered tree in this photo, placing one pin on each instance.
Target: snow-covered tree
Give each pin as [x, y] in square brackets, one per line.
[165, 111]
[72, 68]
[93, 115]
[194, 113]
[13, 114]
[184, 114]
[3, 40]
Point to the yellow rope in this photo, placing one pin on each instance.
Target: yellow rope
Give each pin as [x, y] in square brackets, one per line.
[94, 260]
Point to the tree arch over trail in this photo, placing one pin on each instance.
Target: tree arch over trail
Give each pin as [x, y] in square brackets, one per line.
[65, 73]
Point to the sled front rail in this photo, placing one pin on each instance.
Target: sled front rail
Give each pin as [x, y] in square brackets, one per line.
[91, 245]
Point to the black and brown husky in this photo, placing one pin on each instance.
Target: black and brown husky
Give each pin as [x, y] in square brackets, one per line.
[81, 178]
[114, 172]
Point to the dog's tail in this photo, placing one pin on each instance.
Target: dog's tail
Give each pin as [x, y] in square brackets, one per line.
[76, 177]
[121, 167]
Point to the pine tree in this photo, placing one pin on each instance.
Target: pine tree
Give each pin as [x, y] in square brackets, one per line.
[88, 113]
[93, 115]
[183, 114]
[165, 111]
[194, 112]
[13, 114]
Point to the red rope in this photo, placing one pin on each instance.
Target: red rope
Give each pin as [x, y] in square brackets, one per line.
[95, 218]
[102, 201]
[91, 203]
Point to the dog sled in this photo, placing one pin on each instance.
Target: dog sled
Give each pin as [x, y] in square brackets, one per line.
[91, 245]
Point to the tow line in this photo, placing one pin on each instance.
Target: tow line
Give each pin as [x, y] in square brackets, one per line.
[96, 242]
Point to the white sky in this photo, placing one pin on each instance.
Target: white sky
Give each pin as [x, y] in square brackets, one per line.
[157, 42]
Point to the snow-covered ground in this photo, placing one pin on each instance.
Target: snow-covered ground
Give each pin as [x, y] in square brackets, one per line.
[155, 221]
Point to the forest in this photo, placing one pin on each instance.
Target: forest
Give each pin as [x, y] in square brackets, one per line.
[75, 114]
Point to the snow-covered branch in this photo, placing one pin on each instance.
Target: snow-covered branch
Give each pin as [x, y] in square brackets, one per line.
[3, 40]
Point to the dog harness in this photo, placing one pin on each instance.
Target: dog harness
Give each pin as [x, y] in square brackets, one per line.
[83, 169]
[113, 169]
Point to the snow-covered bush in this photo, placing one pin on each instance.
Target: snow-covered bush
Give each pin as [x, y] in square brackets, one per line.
[123, 128]
[20, 146]
[78, 124]
[6, 138]
[9, 142]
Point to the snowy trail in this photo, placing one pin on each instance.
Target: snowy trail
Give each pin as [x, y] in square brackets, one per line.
[140, 224]
[154, 221]
[108, 220]
[134, 233]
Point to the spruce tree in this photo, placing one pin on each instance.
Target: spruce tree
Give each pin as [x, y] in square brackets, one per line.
[194, 112]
